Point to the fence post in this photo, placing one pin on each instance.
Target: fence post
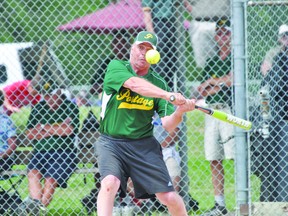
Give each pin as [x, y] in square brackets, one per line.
[241, 165]
[180, 86]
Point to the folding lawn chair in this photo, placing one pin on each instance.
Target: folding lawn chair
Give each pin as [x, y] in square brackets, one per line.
[10, 198]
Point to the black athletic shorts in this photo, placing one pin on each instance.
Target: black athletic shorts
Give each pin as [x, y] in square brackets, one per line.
[139, 159]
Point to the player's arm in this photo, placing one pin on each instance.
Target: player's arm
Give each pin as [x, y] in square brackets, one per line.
[145, 88]
[171, 122]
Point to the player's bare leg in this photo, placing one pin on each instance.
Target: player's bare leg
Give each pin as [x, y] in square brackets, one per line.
[174, 203]
[105, 201]
[217, 177]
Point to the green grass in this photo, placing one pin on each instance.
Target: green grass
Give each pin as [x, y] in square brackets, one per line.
[66, 201]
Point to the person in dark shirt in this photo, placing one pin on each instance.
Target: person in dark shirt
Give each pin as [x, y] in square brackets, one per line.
[52, 127]
[159, 18]
[120, 46]
[274, 174]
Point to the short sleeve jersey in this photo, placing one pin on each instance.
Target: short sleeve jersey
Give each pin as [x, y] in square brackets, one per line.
[126, 114]
[42, 114]
[216, 68]
[7, 130]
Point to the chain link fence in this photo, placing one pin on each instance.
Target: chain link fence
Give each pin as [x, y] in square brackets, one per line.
[267, 42]
[67, 45]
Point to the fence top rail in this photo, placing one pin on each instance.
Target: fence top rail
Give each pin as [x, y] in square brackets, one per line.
[267, 3]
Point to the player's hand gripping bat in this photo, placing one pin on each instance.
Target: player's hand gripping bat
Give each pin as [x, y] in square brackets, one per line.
[226, 117]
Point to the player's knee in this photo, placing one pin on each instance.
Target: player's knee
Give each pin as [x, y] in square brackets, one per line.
[110, 183]
[168, 198]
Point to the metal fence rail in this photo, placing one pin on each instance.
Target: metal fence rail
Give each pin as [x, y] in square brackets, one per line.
[68, 44]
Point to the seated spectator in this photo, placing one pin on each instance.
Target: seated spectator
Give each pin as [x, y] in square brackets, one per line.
[9, 200]
[19, 94]
[7, 138]
[52, 126]
[171, 156]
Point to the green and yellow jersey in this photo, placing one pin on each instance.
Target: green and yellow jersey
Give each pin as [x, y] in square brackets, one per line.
[126, 114]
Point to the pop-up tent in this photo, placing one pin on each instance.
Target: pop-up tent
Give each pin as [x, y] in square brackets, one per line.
[124, 15]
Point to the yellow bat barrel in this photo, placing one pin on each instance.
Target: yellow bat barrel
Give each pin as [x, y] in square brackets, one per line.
[247, 125]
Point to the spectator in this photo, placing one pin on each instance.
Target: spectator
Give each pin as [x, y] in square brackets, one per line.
[216, 88]
[201, 29]
[120, 49]
[159, 18]
[274, 174]
[9, 200]
[7, 138]
[130, 98]
[91, 125]
[168, 142]
[19, 94]
[268, 59]
[52, 126]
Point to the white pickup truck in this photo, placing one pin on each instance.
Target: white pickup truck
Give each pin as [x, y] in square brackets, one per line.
[10, 65]
[19, 61]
